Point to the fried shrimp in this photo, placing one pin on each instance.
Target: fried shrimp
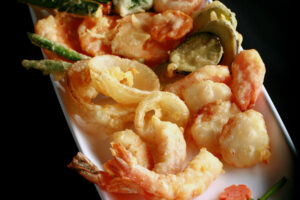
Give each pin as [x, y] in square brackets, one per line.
[208, 123]
[216, 73]
[199, 173]
[161, 124]
[126, 81]
[106, 179]
[96, 33]
[170, 25]
[109, 114]
[137, 36]
[60, 28]
[103, 179]
[170, 146]
[133, 143]
[186, 6]
[199, 94]
[244, 140]
[248, 72]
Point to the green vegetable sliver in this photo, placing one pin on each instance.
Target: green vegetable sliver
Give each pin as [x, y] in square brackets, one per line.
[56, 47]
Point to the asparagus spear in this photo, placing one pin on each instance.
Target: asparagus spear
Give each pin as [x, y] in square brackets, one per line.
[79, 7]
[46, 66]
[55, 47]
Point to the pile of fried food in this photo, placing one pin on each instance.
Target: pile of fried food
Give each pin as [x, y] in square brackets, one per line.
[158, 76]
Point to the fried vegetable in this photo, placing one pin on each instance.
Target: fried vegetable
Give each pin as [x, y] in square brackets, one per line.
[217, 19]
[196, 51]
[228, 38]
[82, 7]
[126, 7]
[216, 10]
[47, 66]
[126, 81]
[56, 47]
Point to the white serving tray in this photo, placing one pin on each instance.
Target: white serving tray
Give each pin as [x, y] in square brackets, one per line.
[258, 178]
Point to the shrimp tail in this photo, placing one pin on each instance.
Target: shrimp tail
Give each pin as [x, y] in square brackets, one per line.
[121, 154]
[105, 180]
[86, 168]
[122, 161]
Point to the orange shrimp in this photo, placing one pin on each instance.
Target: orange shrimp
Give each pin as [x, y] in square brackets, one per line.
[96, 33]
[199, 173]
[103, 179]
[170, 25]
[107, 180]
[248, 72]
[216, 73]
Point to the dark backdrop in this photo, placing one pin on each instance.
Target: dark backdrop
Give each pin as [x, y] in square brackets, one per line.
[39, 143]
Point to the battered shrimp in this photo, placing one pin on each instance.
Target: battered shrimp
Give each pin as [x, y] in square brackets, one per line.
[60, 28]
[107, 180]
[199, 94]
[244, 140]
[134, 36]
[170, 146]
[103, 179]
[159, 120]
[96, 33]
[108, 114]
[216, 73]
[170, 25]
[248, 72]
[199, 173]
[138, 148]
[186, 6]
[207, 125]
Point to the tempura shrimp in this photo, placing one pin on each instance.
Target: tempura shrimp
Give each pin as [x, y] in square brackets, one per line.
[216, 73]
[199, 173]
[134, 144]
[103, 179]
[109, 114]
[248, 72]
[59, 28]
[244, 140]
[135, 36]
[186, 6]
[208, 124]
[206, 91]
[170, 25]
[106, 179]
[96, 33]
[170, 146]
[161, 124]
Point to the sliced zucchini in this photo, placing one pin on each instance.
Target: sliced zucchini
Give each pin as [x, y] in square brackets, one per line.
[228, 38]
[217, 19]
[196, 51]
[213, 11]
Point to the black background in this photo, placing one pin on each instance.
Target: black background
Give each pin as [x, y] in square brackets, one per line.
[37, 143]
